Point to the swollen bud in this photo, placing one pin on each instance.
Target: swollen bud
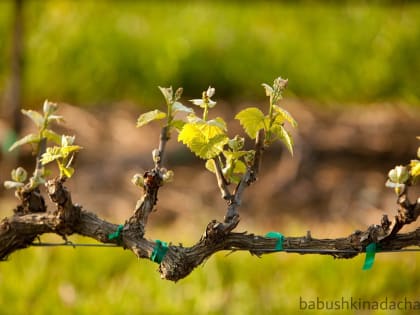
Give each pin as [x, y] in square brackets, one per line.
[49, 107]
[168, 176]
[138, 180]
[19, 175]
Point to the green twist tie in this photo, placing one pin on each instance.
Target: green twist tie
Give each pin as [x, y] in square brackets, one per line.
[370, 256]
[117, 233]
[159, 251]
[279, 237]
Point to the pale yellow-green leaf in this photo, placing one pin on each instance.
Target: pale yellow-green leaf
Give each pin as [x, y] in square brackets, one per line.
[236, 143]
[218, 122]
[203, 140]
[8, 184]
[283, 136]
[283, 115]
[36, 117]
[51, 154]
[148, 117]
[66, 171]
[178, 107]
[65, 151]
[167, 94]
[240, 167]
[52, 136]
[252, 120]
[49, 107]
[268, 89]
[177, 124]
[211, 165]
[415, 168]
[57, 118]
[31, 138]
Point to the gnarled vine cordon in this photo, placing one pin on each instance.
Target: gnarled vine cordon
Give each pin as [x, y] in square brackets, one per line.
[31, 218]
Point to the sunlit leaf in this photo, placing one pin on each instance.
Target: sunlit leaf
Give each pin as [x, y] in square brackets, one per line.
[148, 117]
[236, 143]
[57, 118]
[67, 140]
[218, 122]
[8, 184]
[211, 165]
[415, 168]
[252, 120]
[204, 140]
[66, 171]
[65, 151]
[177, 124]
[268, 89]
[36, 117]
[283, 115]
[31, 138]
[283, 136]
[167, 94]
[51, 154]
[399, 174]
[48, 108]
[52, 136]
[178, 107]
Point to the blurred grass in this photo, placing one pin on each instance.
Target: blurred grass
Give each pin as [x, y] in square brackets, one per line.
[112, 281]
[98, 52]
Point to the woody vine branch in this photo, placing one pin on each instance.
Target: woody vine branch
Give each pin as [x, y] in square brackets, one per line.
[226, 157]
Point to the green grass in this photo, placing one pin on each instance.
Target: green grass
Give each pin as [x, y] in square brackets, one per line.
[97, 52]
[113, 281]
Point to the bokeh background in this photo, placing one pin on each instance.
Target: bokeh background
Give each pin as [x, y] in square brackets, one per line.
[353, 70]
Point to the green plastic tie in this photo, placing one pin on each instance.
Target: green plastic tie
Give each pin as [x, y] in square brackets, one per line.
[159, 251]
[117, 233]
[279, 237]
[370, 256]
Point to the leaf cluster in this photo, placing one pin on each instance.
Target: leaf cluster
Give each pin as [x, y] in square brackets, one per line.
[208, 138]
[62, 152]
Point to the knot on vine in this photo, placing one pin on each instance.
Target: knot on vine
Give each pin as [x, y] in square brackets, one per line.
[31, 202]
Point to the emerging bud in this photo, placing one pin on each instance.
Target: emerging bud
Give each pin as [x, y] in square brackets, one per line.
[19, 175]
[138, 180]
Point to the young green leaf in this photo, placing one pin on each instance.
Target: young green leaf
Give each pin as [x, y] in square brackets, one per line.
[66, 171]
[167, 94]
[177, 124]
[8, 184]
[52, 136]
[31, 138]
[178, 107]
[51, 154]
[211, 165]
[284, 136]
[252, 120]
[36, 117]
[49, 108]
[57, 118]
[415, 168]
[283, 115]
[148, 117]
[203, 140]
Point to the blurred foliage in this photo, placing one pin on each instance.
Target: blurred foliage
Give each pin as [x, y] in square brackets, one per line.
[98, 52]
[112, 281]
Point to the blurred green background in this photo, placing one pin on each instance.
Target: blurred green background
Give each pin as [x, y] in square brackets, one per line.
[100, 54]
